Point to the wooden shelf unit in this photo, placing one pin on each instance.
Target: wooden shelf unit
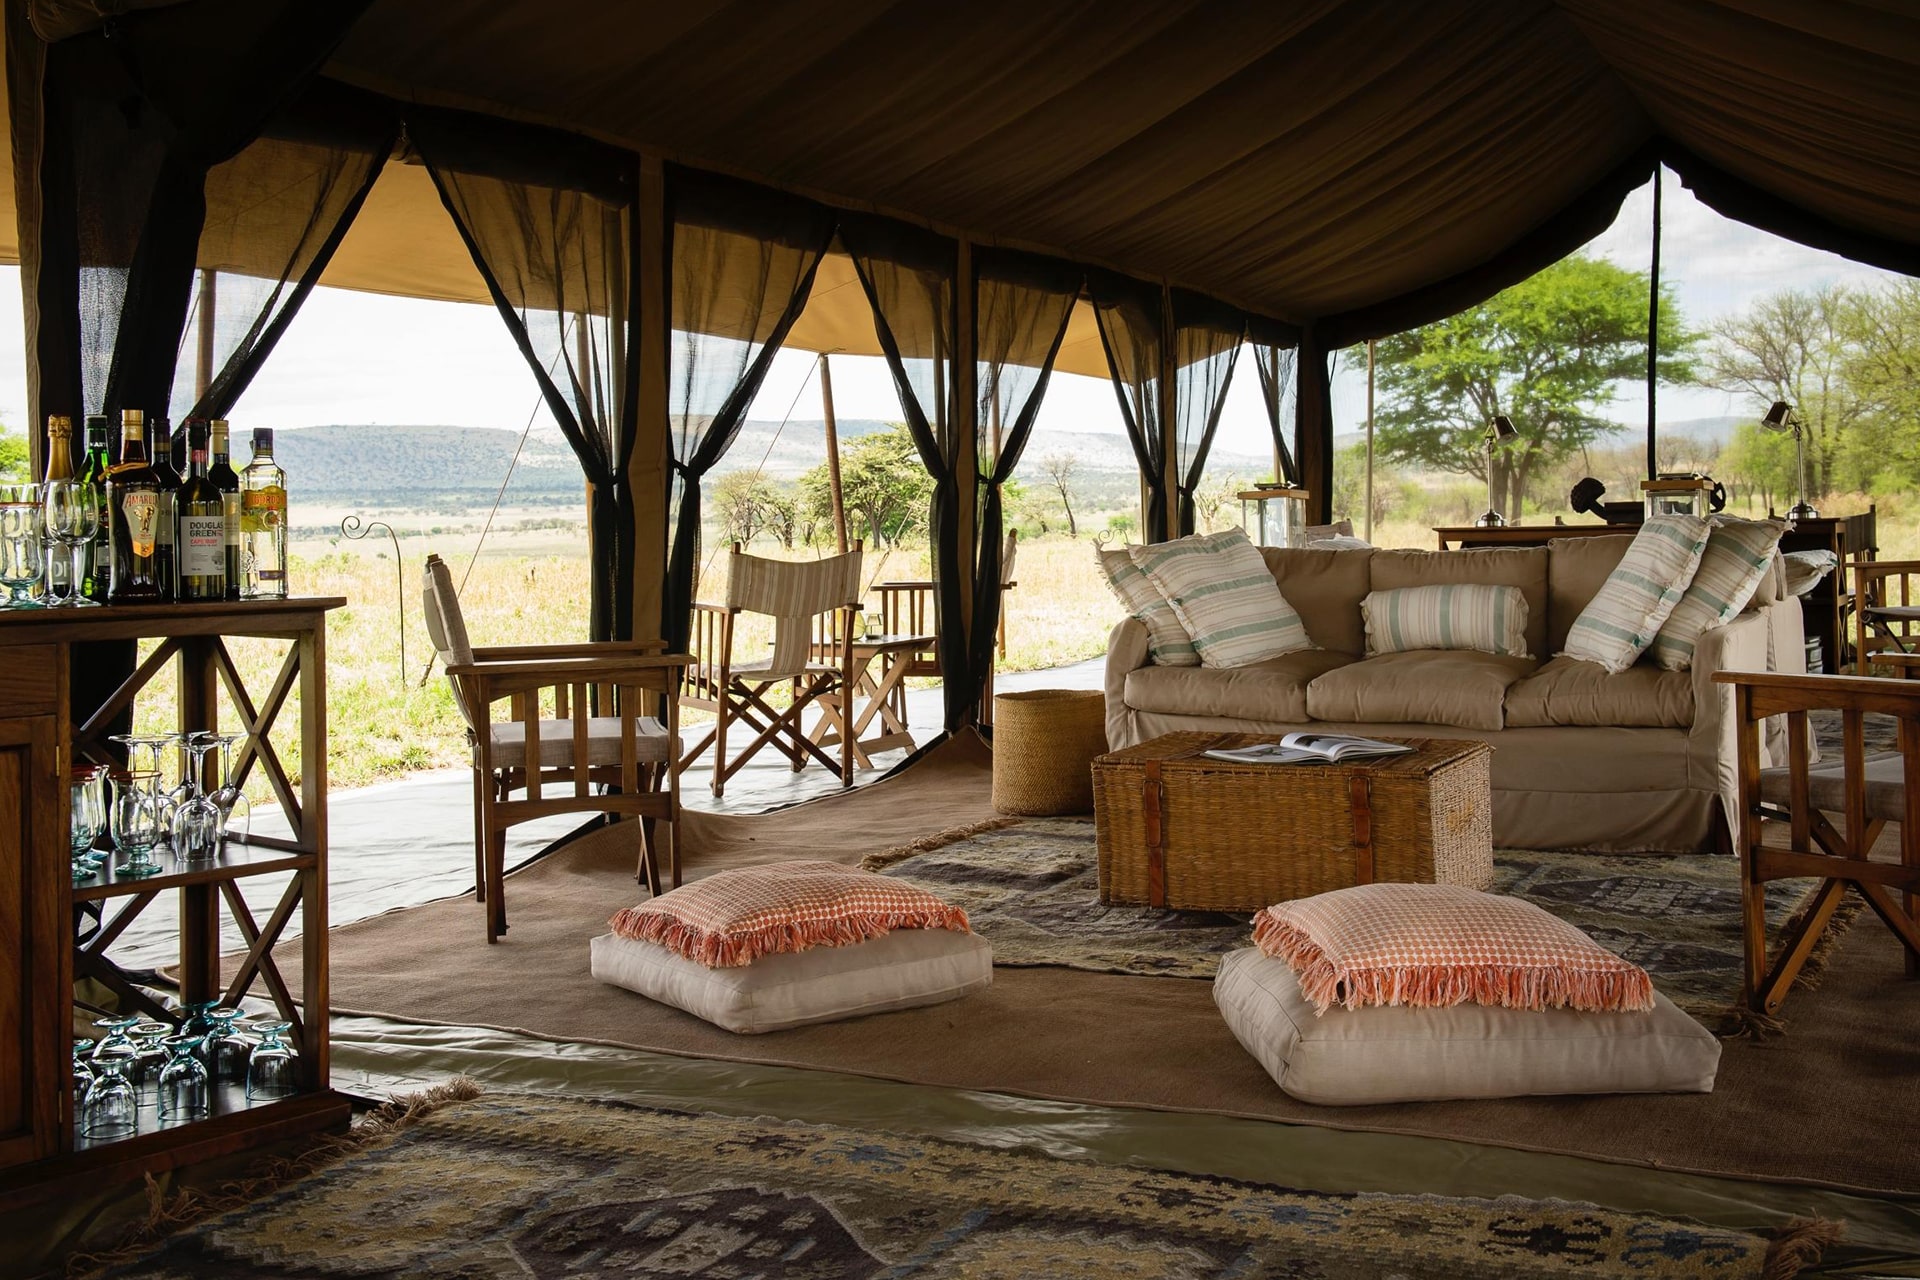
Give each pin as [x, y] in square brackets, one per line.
[41, 906]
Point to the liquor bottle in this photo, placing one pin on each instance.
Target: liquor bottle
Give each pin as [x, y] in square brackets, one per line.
[133, 517]
[200, 525]
[93, 470]
[227, 481]
[263, 522]
[58, 567]
[166, 569]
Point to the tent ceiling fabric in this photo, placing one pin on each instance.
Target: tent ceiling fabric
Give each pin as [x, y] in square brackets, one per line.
[1300, 160]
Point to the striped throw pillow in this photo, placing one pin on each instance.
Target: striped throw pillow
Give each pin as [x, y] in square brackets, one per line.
[1225, 596]
[1168, 644]
[1631, 606]
[1731, 568]
[1479, 616]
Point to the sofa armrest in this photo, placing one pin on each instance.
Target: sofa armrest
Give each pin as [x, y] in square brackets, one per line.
[1126, 653]
[1744, 644]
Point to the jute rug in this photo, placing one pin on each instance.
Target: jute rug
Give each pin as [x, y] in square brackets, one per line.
[1031, 889]
[551, 1188]
[1807, 1106]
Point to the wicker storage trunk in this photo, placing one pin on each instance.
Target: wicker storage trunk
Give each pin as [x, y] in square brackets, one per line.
[1180, 829]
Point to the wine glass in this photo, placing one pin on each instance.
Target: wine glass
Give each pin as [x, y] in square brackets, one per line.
[22, 553]
[230, 796]
[135, 822]
[82, 1073]
[89, 820]
[116, 1037]
[149, 1058]
[72, 510]
[110, 1108]
[198, 820]
[226, 1050]
[185, 1088]
[271, 1072]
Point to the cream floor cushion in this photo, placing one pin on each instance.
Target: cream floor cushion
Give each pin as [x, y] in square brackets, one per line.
[1362, 1057]
[1571, 691]
[901, 970]
[1274, 690]
[1432, 686]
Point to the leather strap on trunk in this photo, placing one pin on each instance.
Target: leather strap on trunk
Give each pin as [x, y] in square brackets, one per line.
[1360, 795]
[1153, 799]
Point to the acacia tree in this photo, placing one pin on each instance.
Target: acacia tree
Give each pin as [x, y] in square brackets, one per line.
[1882, 371]
[13, 455]
[1545, 352]
[1797, 345]
[1060, 468]
[882, 482]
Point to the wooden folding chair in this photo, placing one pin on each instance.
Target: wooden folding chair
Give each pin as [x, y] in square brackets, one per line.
[908, 608]
[1867, 792]
[618, 760]
[1886, 616]
[794, 594]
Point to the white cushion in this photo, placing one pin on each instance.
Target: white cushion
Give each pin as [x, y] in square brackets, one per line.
[1168, 644]
[556, 742]
[1466, 615]
[903, 970]
[1737, 557]
[1631, 606]
[1225, 596]
[1379, 1054]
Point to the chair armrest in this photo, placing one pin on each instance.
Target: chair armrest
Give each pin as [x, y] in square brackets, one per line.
[1775, 692]
[905, 584]
[577, 670]
[534, 652]
[698, 607]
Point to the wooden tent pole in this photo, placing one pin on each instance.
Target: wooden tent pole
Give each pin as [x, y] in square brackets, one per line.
[833, 457]
[203, 355]
[1368, 517]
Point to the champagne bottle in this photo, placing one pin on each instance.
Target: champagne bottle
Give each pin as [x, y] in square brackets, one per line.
[166, 564]
[200, 525]
[133, 517]
[263, 522]
[93, 470]
[227, 481]
[58, 567]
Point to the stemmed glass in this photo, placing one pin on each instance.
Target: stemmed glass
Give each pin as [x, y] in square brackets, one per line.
[135, 823]
[198, 820]
[226, 1050]
[149, 1059]
[185, 1088]
[22, 555]
[110, 1108]
[89, 820]
[230, 796]
[271, 1071]
[116, 1037]
[73, 519]
[82, 1073]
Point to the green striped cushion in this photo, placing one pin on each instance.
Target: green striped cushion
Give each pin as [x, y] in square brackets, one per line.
[1627, 612]
[1225, 596]
[1168, 643]
[1479, 616]
[1731, 568]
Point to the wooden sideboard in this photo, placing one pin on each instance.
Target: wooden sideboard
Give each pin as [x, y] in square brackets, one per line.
[42, 909]
[1454, 537]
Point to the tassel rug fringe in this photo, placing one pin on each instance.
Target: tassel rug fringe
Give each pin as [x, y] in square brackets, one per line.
[953, 835]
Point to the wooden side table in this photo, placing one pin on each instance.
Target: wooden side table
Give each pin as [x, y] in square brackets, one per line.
[880, 695]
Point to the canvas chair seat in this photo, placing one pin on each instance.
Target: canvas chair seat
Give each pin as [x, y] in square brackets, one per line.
[1886, 790]
[650, 742]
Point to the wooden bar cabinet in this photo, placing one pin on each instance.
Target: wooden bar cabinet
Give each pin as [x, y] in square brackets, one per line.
[42, 953]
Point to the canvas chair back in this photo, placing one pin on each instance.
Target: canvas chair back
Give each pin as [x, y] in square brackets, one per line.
[445, 625]
[1009, 550]
[793, 594]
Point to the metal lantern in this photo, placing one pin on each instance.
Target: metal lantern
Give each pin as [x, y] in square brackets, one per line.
[1677, 496]
[1274, 516]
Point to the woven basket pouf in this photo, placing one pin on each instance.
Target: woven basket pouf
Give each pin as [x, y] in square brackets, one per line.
[1044, 742]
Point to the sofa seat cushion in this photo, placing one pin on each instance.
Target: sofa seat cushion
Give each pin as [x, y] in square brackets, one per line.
[1568, 691]
[1362, 1057]
[1274, 690]
[1432, 686]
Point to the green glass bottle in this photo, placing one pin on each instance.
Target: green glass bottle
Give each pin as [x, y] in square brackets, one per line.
[227, 481]
[200, 526]
[166, 570]
[93, 470]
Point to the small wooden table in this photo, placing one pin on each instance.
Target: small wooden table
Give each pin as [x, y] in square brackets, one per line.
[1521, 535]
[874, 696]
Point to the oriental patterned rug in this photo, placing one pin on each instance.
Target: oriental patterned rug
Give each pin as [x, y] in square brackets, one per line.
[1031, 889]
[552, 1188]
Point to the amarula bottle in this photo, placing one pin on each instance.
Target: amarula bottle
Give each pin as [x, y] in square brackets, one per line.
[263, 522]
[166, 564]
[58, 568]
[133, 517]
[93, 470]
[227, 481]
[200, 525]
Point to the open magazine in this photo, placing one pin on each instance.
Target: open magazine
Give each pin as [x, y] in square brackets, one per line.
[1311, 748]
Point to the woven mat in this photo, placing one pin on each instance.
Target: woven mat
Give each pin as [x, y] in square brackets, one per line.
[546, 1187]
[1031, 890]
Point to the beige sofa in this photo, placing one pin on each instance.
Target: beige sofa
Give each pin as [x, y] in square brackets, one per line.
[1642, 761]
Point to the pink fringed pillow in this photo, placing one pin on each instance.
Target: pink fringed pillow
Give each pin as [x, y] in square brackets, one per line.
[1434, 945]
[735, 917]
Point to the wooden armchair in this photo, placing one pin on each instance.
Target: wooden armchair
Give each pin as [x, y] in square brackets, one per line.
[795, 595]
[1886, 616]
[907, 608]
[618, 761]
[1866, 791]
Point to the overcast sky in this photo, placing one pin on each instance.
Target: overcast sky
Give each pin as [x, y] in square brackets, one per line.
[364, 358]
